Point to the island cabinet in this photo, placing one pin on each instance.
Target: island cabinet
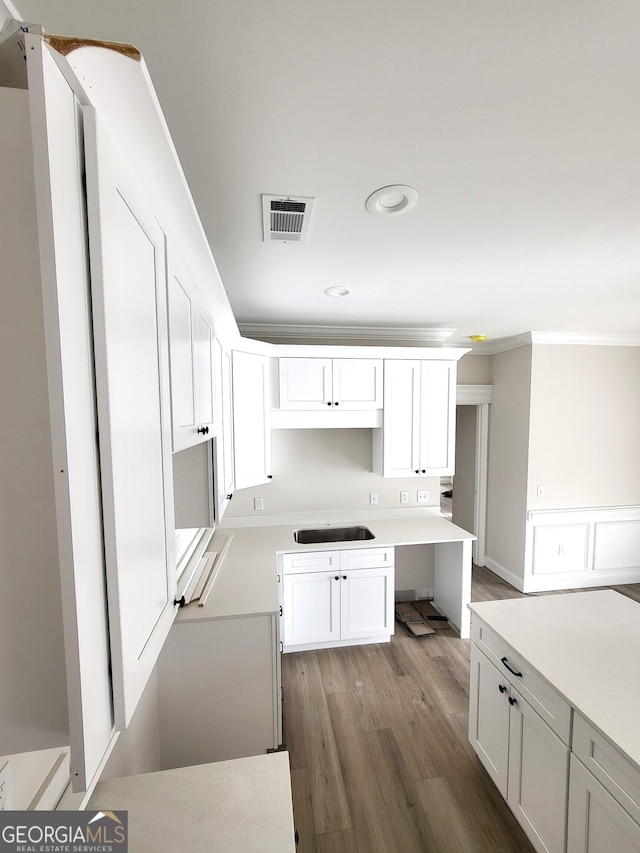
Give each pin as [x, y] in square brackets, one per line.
[191, 349]
[604, 795]
[418, 432]
[526, 758]
[553, 716]
[337, 598]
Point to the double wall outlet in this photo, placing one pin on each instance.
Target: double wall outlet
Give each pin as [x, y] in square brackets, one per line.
[258, 504]
[423, 497]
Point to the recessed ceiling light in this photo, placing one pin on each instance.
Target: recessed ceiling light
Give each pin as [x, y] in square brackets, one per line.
[337, 291]
[392, 200]
[477, 339]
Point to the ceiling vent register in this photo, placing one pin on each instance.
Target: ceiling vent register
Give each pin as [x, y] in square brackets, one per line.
[286, 219]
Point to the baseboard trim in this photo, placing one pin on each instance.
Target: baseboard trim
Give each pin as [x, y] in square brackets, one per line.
[505, 574]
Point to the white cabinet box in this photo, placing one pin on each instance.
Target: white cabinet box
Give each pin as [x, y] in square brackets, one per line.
[328, 392]
[251, 426]
[418, 432]
[525, 758]
[191, 358]
[337, 598]
[320, 383]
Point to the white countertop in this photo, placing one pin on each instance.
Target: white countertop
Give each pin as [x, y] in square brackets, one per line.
[587, 646]
[246, 582]
[243, 805]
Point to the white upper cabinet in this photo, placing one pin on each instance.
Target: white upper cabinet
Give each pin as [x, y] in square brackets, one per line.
[251, 426]
[315, 384]
[128, 275]
[223, 481]
[418, 432]
[192, 359]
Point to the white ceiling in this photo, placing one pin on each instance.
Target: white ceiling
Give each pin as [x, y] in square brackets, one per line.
[518, 123]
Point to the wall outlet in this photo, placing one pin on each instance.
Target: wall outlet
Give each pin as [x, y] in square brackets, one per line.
[4, 787]
[373, 498]
[540, 491]
[404, 497]
[423, 497]
[258, 504]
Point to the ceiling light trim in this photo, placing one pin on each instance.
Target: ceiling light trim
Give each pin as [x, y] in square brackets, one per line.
[392, 200]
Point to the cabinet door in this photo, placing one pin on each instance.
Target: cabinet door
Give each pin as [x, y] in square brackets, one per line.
[192, 358]
[357, 383]
[204, 358]
[251, 427]
[181, 349]
[538, 776]
[128, 281]
[401, 425]
[366, 605]
[311, 607]
[597, 823]
[223, 481]
[305, 383]
[489, 718]
[437, 418]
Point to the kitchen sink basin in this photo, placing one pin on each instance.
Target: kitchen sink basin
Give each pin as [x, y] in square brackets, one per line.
[332, 534]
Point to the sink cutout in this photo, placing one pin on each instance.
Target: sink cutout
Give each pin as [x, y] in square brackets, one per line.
[332, 534]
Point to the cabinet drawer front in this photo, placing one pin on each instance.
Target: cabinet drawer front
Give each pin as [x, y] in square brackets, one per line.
[553, 709]
[365, 558]
[612, 769]
[310, 561]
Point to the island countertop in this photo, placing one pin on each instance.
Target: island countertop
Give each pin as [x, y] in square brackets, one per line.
[587, 646]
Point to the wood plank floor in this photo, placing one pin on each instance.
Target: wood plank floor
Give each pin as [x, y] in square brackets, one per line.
[380, 760]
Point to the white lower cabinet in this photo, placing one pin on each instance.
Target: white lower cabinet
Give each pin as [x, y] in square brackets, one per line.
[526, 759]
[337, 598]
[604, 795]
[219, 690]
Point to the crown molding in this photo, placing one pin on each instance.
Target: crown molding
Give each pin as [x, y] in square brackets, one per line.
[586, 339]
[595, 339]
[281, 333]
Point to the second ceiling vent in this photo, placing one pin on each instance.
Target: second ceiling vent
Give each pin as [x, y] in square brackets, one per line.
[285, 219]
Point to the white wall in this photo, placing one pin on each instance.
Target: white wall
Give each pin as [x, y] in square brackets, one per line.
[465, 477]
[474, 370]
[325, 470]
[584, 444]
[508, 461]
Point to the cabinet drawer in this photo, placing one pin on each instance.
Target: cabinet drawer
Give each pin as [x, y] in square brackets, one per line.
[367, 558]
[310, 561]
[553, 709]
[610, 767]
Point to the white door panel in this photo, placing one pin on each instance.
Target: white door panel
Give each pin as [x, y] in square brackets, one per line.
[128, 285]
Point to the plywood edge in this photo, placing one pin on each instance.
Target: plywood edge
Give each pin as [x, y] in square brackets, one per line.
[66, 44]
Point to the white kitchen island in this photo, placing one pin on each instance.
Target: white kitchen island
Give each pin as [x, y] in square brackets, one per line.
[554, 716]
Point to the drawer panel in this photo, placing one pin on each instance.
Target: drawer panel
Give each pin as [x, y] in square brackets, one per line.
[310, 561]
[367, 558]
[546, 701]
[610, 767]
